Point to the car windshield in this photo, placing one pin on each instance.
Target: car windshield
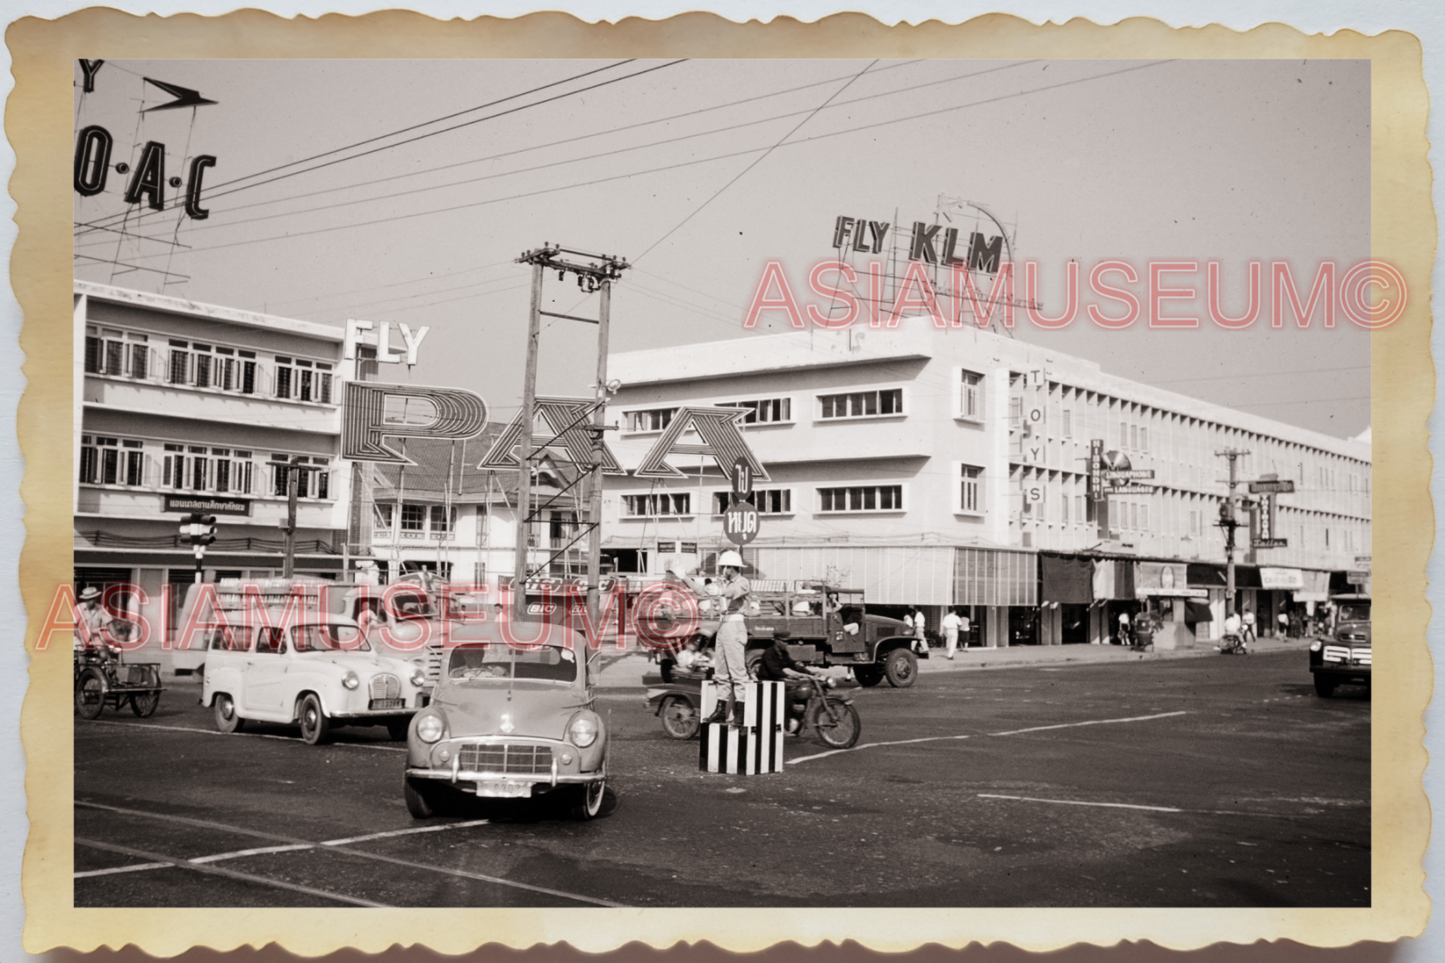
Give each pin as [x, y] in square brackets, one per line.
[1354, 611]
[409, 606]
[549, 663]
[328, 638]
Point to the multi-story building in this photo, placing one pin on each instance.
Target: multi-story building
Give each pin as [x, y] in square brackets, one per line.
[952, 468]
[184, 407]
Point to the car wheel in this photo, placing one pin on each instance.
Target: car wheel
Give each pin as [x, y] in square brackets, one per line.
[1324, 688]
[868, 675]
[396, 728]
[589, 800]
[90, 694]
[837, 723]
[315, 727]
[900, 666]
[224, 708]
[420, 799]
[143, 704]
[679, 717]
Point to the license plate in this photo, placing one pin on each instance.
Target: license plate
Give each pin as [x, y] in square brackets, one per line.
[388, 703]
[504, 790]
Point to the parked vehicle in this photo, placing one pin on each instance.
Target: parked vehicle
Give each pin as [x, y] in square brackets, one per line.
[319, 672]
[510, 722]
[1344, 659]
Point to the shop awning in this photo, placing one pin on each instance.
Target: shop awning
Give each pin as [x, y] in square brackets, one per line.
[1197, 611]
[1113, 579]
[1069, 581]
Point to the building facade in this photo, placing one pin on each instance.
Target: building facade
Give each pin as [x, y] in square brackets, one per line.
[953, 468]
[184, 407]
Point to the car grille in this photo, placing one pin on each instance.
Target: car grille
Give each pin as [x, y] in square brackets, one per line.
[529, 760]
[1340, 653]
[385, 686]
[1352, 637]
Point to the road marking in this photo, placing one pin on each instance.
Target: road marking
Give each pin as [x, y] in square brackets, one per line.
[871, 745]
[1075, 802]
[406, 832]
[241, 735]
[132, 868]
[1011, 732]
[1090, 722]
[260, 851]
[228, 873]
[336, 847]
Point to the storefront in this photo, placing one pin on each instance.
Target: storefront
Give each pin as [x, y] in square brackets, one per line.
[1113, 589]
[1066, 594]
[1163, 592]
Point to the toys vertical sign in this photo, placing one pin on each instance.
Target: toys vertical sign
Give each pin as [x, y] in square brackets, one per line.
[120, 181]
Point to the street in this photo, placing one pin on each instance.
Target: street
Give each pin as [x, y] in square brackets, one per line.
[1208, 781]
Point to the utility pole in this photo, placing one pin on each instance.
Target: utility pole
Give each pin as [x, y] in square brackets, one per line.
[1229, 521]
[295, 470]
[595, 272]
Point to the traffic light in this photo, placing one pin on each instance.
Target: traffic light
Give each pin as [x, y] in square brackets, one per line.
[199, 530]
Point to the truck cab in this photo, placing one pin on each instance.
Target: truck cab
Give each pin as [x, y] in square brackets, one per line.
[1345, 657]
[831, 625]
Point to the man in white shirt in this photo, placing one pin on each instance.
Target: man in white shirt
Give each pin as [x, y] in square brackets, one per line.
[951, 624]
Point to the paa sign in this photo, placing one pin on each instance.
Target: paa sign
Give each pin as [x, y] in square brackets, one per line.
[375, 412]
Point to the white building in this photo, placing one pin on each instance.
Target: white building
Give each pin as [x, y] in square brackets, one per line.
[951, 468]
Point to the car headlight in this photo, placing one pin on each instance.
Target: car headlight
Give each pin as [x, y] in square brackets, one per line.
[1316, 646]
[582, 731]
[418, 678]
[351, 681]
[429, 728]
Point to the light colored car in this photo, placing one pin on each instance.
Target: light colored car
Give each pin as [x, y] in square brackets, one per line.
[510, 722]
[319, 672]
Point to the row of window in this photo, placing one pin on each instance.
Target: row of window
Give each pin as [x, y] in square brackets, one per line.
[417, 519]
[129, 354]
[765, 411]
[171, 466]
[773, 501]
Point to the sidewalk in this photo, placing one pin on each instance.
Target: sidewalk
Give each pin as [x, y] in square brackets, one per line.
[627, 671]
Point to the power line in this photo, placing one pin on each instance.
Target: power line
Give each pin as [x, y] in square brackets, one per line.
[675, 166]
[1272, 374]
[412, 140]
[561, 163]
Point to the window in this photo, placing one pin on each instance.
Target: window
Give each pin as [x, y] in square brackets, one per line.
[413, 518]
[1144, 438]
[1133, 516]
[763, 410]
[111, 461]
[283, 377]
[768, 501]
[654, 419]
[863, 404]
[200, 473]
[970, 398]
[443, 520]
[861, 498]
[139, 347]
[1123, 434]
[968, 488]
[1066, 427]
[180, 363]
[663, 503]
[1134, 437]
[1079, 513]
[384, 515]
[1064, 509]
[1143, 518]
[202, 365]
[1015, 411]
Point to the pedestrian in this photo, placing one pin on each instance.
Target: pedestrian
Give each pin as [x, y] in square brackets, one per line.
[1247, 633]
[951, 623]
[918, 624]
[1124, 638]
[1283, 622]
[778, 665]
[730, 669]
[91, 621]
[965, 630]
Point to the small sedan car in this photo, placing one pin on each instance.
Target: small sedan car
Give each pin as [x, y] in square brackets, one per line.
[510, 721]
[319, 672]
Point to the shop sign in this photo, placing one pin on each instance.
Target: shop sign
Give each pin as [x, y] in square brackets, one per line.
[929, 243]
[1362, 563]
[1357, 577]
[1131, 490]
[1281, 578]
[207, 506]
[1281, 486]
[1164, 580]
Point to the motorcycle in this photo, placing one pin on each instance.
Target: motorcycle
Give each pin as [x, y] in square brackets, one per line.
[831, 717]
[1233, 644]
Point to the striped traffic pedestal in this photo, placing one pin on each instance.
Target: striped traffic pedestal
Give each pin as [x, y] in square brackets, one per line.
[754, 747]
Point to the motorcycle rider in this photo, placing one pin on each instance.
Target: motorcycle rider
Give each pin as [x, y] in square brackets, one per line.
[777, 665]
[1231, 632]
[730, 670]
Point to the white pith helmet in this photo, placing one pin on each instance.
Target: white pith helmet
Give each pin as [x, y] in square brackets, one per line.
[730, 558]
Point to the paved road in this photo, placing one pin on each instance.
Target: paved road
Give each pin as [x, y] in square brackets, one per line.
[1217, 781]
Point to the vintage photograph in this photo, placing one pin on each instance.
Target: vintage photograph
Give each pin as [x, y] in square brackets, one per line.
[680, 483]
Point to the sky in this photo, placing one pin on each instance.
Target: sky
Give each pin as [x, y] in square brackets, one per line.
[377, 190]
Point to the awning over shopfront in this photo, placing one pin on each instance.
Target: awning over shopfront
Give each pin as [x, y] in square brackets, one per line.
[1113, 579]
[1197, 611]
[1068, 581]
[1314, 587]
[1208, 576]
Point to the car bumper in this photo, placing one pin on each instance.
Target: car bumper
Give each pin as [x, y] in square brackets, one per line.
[565, 768]
[1343, 673]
